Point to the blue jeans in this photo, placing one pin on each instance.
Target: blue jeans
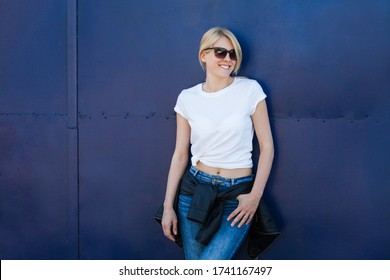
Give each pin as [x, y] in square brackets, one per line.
[227, 240]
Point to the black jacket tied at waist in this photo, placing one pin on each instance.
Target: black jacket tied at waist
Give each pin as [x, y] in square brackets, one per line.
[207, 204]
[207, 208]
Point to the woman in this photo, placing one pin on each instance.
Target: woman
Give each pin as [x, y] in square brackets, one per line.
[218, 118]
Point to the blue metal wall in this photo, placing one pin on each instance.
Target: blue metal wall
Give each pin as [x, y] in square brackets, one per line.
[87, 127]
[38, 147]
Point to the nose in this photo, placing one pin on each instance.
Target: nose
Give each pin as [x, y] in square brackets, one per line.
[227, 57]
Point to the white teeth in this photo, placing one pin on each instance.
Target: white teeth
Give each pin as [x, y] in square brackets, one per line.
[225, 66]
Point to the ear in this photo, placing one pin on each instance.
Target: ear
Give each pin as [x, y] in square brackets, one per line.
[202, 56]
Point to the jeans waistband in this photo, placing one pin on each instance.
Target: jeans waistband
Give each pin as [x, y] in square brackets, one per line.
[206, 178]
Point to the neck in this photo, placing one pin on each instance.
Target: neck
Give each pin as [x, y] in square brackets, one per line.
[214, 84]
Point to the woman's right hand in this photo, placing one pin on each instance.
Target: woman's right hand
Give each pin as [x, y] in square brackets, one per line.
[178, 165]
[169, 223]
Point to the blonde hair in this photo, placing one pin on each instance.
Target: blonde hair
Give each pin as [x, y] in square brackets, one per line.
[209, 39]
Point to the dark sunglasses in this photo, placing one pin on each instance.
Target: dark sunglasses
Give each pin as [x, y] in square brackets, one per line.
[221, 53]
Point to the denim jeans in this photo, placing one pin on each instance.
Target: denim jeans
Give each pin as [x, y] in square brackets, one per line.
[227, 240]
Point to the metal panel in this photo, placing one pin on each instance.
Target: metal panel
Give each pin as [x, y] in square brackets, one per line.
[86, 121]
[38, 131]
[325, 72]
[122, 180]
[331, 186]
[36, 217]
[33, 56]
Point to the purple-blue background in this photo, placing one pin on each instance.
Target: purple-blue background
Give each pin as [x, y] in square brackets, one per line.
[87, 126]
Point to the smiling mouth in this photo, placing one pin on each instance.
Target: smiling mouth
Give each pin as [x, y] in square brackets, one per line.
[226, 67]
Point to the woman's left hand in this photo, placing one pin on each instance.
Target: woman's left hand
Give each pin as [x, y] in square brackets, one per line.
[246, 209]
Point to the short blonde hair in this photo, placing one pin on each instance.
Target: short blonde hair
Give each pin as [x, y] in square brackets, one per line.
[209, 39]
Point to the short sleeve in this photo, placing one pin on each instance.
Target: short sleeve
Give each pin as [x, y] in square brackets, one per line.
[179, 107]
[257, 95]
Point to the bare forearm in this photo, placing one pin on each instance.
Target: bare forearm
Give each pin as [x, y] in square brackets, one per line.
[176, 171]
[263, 171]
[248, 203]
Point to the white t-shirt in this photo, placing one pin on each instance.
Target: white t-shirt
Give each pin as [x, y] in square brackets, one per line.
[221, 124]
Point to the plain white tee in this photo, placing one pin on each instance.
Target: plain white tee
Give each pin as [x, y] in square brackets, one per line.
[221, 124]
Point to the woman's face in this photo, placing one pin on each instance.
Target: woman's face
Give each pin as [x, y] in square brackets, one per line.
[216, 66]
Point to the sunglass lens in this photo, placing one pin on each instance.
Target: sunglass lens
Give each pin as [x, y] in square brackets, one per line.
[220, 53]
[232, 55]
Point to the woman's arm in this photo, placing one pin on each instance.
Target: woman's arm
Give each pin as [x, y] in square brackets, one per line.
[264, 136]
[248, 203]
[178, 164]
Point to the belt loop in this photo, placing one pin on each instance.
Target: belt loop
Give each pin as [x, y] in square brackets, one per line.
[233, 181]
[195, 170]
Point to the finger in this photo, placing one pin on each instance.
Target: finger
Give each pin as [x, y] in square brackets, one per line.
[170, 237]
[168, 233]
[250, 219]
[237, 219]
[234, 213]
[244, 220]
[175, 228]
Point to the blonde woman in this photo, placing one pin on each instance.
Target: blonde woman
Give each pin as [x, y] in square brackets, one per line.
[219, 193]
